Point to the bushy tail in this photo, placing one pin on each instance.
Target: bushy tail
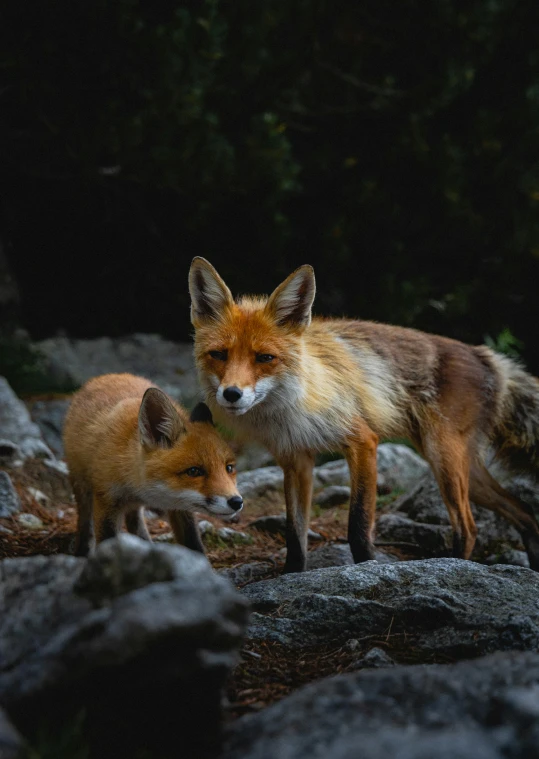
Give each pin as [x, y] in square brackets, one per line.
[516, 429]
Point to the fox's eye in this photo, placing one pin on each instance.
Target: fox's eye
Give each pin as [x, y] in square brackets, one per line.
[219, 355]
[194, 471]
[231, 468]
[264, 358]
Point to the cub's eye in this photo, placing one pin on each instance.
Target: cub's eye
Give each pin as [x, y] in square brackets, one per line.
[264, 358]
[194, 471]
[231, 468]
[219, 355]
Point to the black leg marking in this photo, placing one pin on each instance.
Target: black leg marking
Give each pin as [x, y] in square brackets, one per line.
[359, 529]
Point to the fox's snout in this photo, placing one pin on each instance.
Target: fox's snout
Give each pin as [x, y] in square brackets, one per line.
[232, 394]
[235, 399]
[218, 505]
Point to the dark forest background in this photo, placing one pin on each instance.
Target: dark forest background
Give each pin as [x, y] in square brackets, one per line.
[393, 145]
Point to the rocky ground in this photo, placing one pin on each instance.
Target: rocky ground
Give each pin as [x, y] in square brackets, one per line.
[147, 647]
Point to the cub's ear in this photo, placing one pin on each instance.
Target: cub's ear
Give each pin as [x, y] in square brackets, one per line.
[201, 413]
[290, 304]
[159, 423]
[209, 294]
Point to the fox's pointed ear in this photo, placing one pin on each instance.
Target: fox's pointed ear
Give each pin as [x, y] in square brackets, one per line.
[201, 413]
[159, 423]
[209, 294]
[290, 304]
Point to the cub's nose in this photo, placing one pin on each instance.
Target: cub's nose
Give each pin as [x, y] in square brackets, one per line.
[236, 502]
[232, 394]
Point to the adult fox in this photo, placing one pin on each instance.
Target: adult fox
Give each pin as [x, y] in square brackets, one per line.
[301, 385]
[128, 445]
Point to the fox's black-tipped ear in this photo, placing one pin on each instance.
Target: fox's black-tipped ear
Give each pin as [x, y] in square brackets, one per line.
[159, 423]
[209, 294]
[201, 413]
[291, 303]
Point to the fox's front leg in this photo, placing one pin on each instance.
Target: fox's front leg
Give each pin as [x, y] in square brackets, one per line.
[298, 491]
[360, 453]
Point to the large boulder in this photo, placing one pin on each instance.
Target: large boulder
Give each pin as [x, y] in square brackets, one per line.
[141, 637]
[17, 427]
[483, 709]
[442, 606]
[169, 364]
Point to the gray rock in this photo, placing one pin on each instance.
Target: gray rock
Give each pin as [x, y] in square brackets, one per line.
[49, 417]
[169, 364]
[334, 495]
[442, 605]
[427, 539]
[245, 573]
[333, 473]
[17, 426]
[376, 658]
[124, 635]
[10, 502]
[338, 555]
[233, 536]
[275, 524]
[11, 743]
[253, 456]
[482, 709]
[10, 453]
[257, 482]
[511, 556]
[398, 467]
[30, 521]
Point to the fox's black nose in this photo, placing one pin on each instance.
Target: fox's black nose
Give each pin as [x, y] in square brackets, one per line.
[236, 502]
[232, 394]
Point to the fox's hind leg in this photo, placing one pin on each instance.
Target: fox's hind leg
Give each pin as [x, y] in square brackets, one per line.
[136, 524]
[85, 524]
[185, 529]
[485, 491]
[449, 456]
[361, 456]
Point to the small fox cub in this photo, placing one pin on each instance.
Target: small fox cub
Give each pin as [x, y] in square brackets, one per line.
[302, 385]
[127, 445]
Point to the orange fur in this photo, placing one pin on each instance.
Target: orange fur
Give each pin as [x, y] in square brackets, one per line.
[116, 466]
[338, 384]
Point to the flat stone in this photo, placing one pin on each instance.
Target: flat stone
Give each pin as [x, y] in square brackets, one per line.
[481, 709]
[443, 605]
[30, 521]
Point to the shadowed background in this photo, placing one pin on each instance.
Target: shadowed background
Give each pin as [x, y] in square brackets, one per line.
[394, 146]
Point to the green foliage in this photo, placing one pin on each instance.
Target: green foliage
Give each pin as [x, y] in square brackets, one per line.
[505, 342]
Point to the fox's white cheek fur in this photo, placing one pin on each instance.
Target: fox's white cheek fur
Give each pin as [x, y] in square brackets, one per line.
[263, 387]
